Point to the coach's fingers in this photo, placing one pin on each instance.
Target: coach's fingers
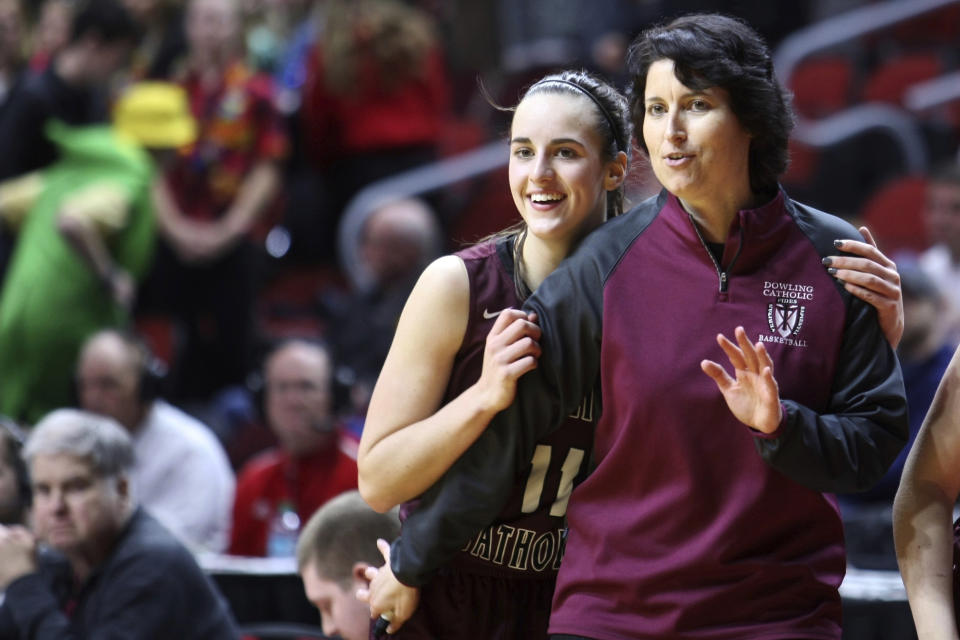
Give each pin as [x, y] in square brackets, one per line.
[733, 352]
[718, 374]
[765, 361]
[747, 349]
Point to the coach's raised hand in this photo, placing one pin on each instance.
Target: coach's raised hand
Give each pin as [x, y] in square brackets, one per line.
[753, 396]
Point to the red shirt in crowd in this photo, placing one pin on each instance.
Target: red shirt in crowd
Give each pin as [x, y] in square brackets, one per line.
[274, 477]
[372, 115]
[238, 126]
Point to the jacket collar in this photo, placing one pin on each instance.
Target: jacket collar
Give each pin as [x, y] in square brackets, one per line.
[760, 230]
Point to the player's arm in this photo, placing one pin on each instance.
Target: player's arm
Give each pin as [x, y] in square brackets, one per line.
[568, 305]
[923, 512]
[409, 440]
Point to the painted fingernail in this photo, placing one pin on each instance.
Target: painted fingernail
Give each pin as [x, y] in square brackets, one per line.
[832, 271]
[838, 243]
[827, 261]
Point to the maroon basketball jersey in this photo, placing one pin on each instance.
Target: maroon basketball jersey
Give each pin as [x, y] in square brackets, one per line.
[527, 539]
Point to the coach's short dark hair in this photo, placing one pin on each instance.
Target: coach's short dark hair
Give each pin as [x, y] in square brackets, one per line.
[713, 50]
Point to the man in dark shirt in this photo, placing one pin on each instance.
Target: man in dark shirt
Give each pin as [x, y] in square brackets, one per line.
[71, 89]
[122, 574]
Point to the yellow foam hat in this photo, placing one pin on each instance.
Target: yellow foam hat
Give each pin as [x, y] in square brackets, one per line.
[155, 114]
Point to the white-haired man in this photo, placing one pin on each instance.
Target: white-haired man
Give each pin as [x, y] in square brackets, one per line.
[125, 576]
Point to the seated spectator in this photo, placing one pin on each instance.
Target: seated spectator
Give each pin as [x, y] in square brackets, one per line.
[942, 219]
[399, 240]
[124, 575]
[85, 239]
[337, 546]
[14, 479]
[280, 488]
[180, 473]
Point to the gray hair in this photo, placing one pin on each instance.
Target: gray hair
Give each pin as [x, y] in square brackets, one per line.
[101, 441]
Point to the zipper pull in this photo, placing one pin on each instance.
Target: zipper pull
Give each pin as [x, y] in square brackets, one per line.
[723, 282]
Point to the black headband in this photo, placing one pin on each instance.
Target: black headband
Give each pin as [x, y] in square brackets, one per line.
[596, 101]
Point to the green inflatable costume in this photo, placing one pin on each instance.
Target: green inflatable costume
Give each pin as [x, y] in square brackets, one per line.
[51, 299]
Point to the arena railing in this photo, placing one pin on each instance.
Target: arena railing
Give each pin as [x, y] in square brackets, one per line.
[406, 184]
[841, 29]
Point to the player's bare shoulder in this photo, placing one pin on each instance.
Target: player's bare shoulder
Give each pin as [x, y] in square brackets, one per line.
[440, 301]
[446, 283]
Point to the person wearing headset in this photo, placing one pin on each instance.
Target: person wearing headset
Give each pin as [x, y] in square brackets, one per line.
[181, 474]
[313, 461]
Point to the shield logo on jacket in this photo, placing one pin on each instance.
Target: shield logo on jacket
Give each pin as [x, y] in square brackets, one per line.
[785, 318]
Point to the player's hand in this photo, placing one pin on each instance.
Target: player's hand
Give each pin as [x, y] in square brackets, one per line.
[386, 595]
[873, 278]
[753, 396]
[511, 350]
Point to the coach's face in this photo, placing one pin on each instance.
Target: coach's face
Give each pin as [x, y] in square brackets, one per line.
[698, 148]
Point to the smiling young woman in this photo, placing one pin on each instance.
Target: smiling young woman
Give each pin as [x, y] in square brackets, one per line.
[460, 347]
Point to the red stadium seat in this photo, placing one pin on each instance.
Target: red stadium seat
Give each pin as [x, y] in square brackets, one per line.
[804, 162]
[460, 135]
[894, 214]
[287, 304]
[822, 86]
[889, 82]
[490, 209]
